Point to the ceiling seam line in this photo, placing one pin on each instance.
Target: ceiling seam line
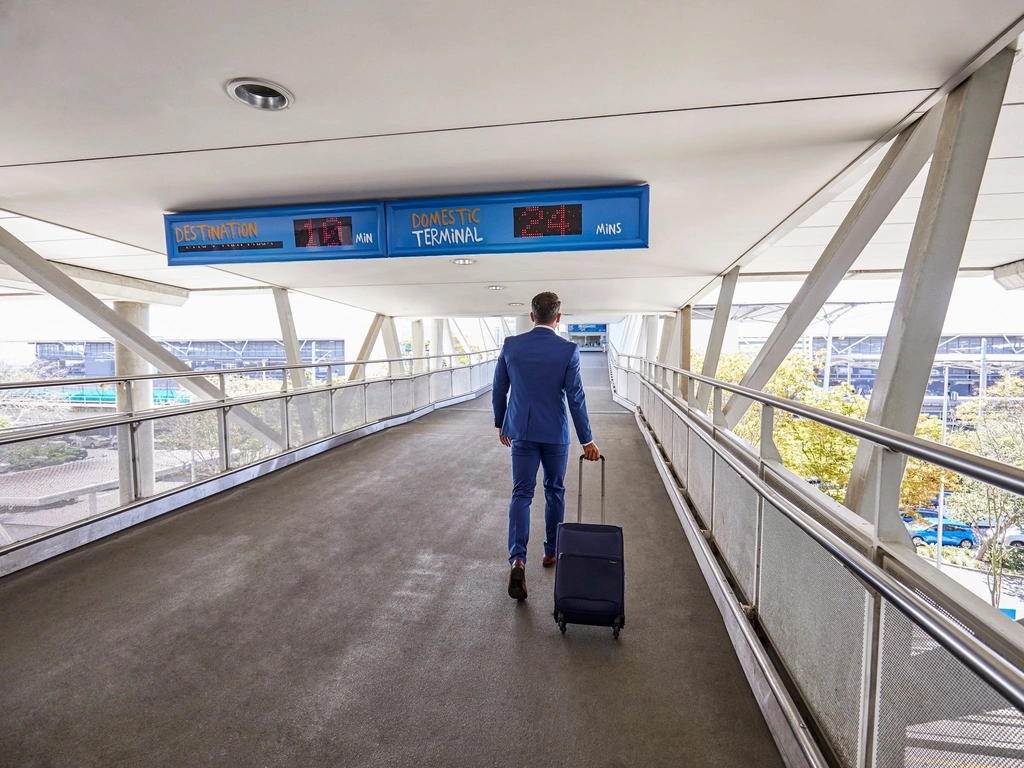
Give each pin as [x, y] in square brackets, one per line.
[486, 126]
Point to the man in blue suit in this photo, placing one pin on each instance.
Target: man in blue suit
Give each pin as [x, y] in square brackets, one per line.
[543, 370]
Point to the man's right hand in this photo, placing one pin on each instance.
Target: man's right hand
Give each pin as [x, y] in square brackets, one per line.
[591, 452]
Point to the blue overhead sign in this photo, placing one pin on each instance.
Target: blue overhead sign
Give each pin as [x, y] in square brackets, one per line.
[296, 233]
[527, 222]
[588, 328]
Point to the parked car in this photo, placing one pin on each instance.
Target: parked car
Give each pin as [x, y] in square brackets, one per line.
[1015, 537]
[922, 517]
[953, 535]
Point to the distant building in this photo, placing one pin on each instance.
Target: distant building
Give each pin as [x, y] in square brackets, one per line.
[96, 358]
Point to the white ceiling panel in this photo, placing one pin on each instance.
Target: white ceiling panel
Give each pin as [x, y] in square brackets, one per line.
[85, 248]
[603, 295]
[715, 189]
[101, 78]
[736, 114]
[194, 277]
[145, 260]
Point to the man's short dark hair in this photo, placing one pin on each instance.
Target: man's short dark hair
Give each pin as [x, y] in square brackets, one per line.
[546, 307]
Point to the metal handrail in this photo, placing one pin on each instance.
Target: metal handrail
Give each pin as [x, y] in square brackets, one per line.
[1003, 476]
[6, 385]
[40, 432]
[969, 650]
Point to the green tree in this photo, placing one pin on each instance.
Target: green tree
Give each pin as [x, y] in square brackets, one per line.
[992, 427]
[810, 449]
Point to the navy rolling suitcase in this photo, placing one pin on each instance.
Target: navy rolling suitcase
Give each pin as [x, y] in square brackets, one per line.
[590, 577]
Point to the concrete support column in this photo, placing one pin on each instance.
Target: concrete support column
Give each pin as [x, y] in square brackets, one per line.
[523, 324]
[127, 363]
[936, 248]
[419, 346]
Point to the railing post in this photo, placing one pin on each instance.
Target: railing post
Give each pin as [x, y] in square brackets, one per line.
[286, 424]
[691, 394]
[769, 451]
[717, 417]
[330, 403]
[129, 396]
[133, 448]
[225, 438]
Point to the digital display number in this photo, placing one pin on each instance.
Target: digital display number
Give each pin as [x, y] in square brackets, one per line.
[331, 231]
[547, 220]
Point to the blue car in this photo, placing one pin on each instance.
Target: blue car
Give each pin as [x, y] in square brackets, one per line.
[953, 535]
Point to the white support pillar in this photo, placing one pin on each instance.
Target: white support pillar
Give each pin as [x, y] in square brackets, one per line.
[936, 248]
[392, 346]
[639, 344]
[485, 334]
[459, 334]
[366, 350]
[419, 347]
[900, 166]
[523, 324]
[293, 354]
[717, 338]
[437, 346]
[127, 363]
[651, 348]
[685, 347]
[449, 342]
[668, 336]
[52, 280]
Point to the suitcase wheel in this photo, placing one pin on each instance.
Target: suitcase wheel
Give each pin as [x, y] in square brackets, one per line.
[560, 618]
[616, 627]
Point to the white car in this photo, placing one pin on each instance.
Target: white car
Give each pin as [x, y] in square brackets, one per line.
[1015, 537]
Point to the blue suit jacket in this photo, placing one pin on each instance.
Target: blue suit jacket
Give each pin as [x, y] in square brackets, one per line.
[543, 370]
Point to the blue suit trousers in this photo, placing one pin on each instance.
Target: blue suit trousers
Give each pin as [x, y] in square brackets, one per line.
[527, 458]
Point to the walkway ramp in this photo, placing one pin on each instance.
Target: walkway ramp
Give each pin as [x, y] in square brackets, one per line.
[351, 610]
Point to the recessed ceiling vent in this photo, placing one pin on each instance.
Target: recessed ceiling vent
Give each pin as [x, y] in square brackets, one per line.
[260, 94]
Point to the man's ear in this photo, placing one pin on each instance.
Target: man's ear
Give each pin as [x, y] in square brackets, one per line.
[558, 318]
[532, 318]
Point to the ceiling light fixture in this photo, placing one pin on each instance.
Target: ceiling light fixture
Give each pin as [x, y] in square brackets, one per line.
[463, 262]
[259, 94]
[495, 287]
[515, 303]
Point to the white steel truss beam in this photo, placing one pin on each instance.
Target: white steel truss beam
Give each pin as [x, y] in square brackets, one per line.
[717, 339]
[59, 285]
[293, 353]
[366, 350]
[900, 166]
[936, 248]
[419, 346]
[108, 285]
[392, 346]
[669, 342]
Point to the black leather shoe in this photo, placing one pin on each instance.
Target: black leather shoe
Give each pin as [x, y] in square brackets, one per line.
[517, 580]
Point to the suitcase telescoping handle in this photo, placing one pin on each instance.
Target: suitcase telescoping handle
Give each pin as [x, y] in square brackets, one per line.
[579, 504]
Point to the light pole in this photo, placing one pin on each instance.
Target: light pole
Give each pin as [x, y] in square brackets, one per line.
[942, 482]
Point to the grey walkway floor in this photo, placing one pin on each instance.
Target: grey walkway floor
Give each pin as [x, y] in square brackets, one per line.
[351, 611]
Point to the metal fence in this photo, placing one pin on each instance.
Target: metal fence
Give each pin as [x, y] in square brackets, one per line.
[892, 663]
[58, 476]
